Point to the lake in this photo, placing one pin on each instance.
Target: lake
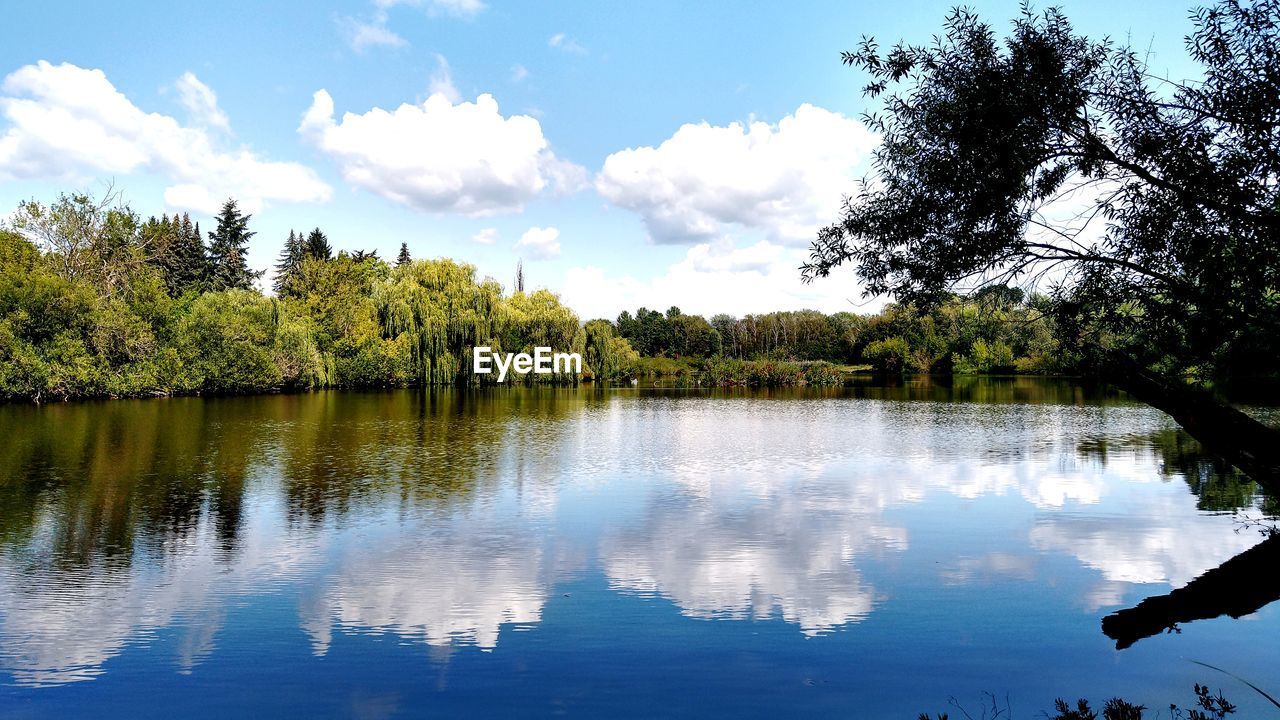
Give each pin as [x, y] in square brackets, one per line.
[868, 551]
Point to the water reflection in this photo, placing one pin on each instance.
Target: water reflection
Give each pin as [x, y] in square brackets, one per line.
[455, 581]
[441, 518]
[60, 621]
[727, 556]
[1240, 586]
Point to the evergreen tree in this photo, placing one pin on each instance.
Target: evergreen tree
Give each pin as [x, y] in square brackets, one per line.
[317, 246]
[290, 258]
[190, 263]
[519, 276]
[176, 251]
[403, 258]
[228, 245]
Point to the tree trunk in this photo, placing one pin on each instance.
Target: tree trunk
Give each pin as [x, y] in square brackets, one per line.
[1250, 445]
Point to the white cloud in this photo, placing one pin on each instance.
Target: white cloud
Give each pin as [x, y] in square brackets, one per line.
[560, 41]
[69, 621]
[784, 180]
[200, 100]
[442, 156]
[362, 35]
[435, 588]
[714, 278]
[539, 243]
[442, 81]
[487, 236]
[519, 73]
[456, 8]
[70, 123]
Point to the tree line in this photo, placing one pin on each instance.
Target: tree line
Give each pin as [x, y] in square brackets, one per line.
[997, 330]
[97, 302]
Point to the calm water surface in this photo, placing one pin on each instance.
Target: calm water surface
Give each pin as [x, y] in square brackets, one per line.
[861, 552]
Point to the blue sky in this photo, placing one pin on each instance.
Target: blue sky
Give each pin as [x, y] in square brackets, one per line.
[193, 101]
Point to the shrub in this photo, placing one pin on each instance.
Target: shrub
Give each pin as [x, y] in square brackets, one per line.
[891, 355]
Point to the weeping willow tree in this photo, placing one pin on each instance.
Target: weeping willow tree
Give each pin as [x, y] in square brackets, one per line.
[610, 357]
[538, 319]
[444, 312]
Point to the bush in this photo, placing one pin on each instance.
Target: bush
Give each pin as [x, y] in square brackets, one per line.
[228, 341]
[822, 373]
[891, 355]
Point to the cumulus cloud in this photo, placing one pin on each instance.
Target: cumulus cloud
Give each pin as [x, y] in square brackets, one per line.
[539, 243]
[70, 123]
[456, 583]
[714, 278]
[441, 155]
[785, 180]
[200, 100]
[67, 622]
[1160, 540]
[486, 236]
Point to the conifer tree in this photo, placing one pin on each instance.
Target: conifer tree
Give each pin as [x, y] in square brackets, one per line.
[403, 258]
[228, 245]
[290, 258]
[190, 263]
[176, 252]
[317, 246]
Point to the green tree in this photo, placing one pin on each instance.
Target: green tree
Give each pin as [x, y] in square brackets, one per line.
[441, 312]
[984, 134]
[317, 246]
[608, 356]
[403, 258]
[238, 341]
[538, 319]
[291, 256]
[98, 241]
[228, 246]
[174, 248]
[337, 298]
[189, 269]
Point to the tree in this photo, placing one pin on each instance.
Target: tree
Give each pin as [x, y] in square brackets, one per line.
[1170, 269]
[189, 263]
[403, 258]
[228, 246]
[95, 240]
[519, 284]
[608, 356]
[317, 246]
[173, 246]
[537, 319]
[439, 309]
[291, 256]
[335, 296]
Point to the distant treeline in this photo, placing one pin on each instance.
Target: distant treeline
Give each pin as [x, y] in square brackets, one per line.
[997, 330]
[97, 302]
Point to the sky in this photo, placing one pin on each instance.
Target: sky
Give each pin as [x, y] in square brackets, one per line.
[631, 154]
